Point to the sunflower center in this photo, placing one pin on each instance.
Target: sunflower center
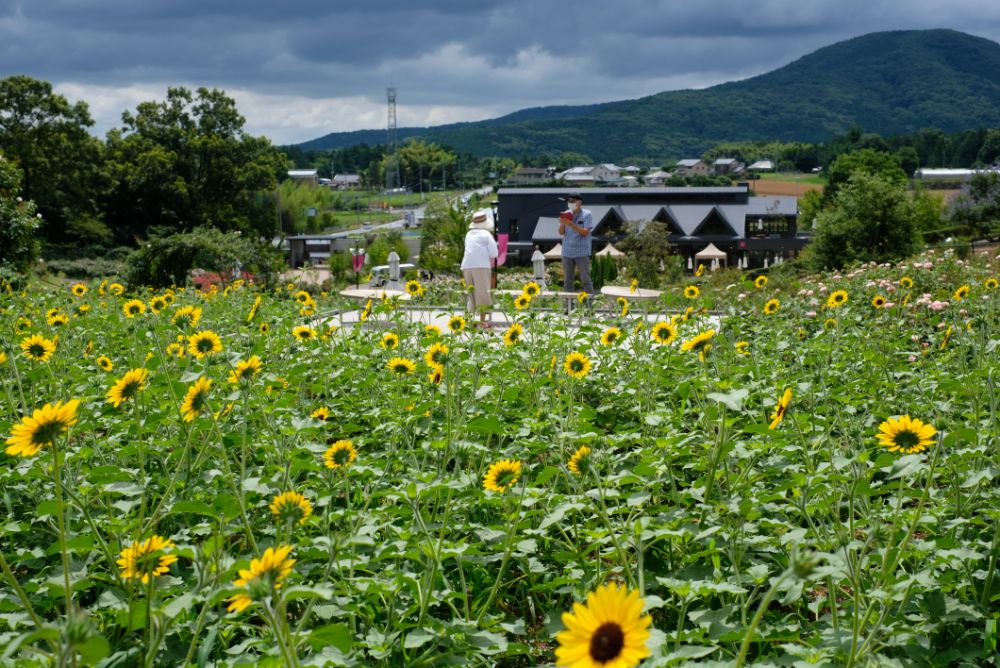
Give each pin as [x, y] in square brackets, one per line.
[607, 642]
[576, 365]
[36, 350]
[47, 432]
[905, 439]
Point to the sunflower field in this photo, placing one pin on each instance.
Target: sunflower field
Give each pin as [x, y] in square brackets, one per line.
[778, 471]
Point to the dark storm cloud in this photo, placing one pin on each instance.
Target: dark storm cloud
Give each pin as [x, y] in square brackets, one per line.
[450, 59]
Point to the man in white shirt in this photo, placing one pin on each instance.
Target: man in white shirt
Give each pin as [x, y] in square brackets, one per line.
[480, 251]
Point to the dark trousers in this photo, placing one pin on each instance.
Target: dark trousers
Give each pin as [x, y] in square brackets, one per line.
[581, 263]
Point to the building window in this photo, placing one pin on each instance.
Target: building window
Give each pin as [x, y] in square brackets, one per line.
[763, 227]
[513, 229]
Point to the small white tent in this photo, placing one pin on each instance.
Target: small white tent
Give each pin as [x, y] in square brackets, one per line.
[712, 254]
[610, 251]
[555, 253]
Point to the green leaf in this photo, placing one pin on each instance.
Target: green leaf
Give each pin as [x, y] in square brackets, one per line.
[734, 399]
[337, 635]
[486, 424]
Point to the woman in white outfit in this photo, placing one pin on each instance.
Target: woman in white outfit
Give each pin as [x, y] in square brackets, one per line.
[480, 251]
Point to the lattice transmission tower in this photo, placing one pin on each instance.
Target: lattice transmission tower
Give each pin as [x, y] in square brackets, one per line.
[392, 157]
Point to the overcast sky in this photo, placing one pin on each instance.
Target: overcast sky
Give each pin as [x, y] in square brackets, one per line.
[301, 69]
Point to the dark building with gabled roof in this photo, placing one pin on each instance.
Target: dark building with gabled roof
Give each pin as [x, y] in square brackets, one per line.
[744, 226]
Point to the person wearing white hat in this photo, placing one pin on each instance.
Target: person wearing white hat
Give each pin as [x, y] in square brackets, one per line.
[480, 251]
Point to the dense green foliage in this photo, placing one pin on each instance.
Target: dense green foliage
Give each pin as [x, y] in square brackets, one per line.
[442, 242]
[870, 219]
[168, 260]
[866, 160]
[889, 83]
[647, 251]
[186, 162]
[63, 165]
[975, 212]
[18, 222]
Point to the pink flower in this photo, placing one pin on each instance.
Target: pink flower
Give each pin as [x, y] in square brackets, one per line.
[912, 358]
[810, 314]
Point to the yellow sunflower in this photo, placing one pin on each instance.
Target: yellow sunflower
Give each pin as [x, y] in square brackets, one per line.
[144, 560]
[531, 289]
[990, 283]
[204, 343]
[456, 323]
[700, 343]
[186, 316]
[245, 370]
[611, 336]
[610, 631]
[321, 413]
[366, 311]
[401, 366]
[157, 303]
[127, 387]
[436, 356]
[830, 323]
[432, 330]
[304, 333]
[435, 377]
[502, 475]
[513, 334]
[340, 455]
[104, 362]
[196, 399]
[576, 365]
[905, 434]
[836, 299]
[414, 288]
[663, 333]
[79, 289]
[291, 507]
[390, 341]
[263, 578]
[771, 307]
[623, 305]
[742, 347]
[781, 408]
[117, 289]
[41, 428]
[133, 308]
[878, 301]
[633, 285]
[961, 293]
[760, 282]
[522, 301]
[37, 348]
[692, 292]
[580, 461]
[906, 282]
[254, 308]
[3, 357]
[581, 297]
[58, 319]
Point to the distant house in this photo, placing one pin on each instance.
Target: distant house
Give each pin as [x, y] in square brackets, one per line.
[691, 167]
[345, 181]
[526, 176]
[657, 178]
[762, 166]
[727, 166]
[631, 169]
[307, 176]
[591, 175]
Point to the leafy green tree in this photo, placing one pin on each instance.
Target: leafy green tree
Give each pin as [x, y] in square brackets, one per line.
[187, 162]
[975, 212]
[989, 153]
[62, 163]
[18, 221]
[442, 242]
[646, 249]
[871, 219]
[866, 160]
[169, 260]
[909, 161]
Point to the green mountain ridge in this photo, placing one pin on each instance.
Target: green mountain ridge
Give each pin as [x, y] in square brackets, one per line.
[887, 82]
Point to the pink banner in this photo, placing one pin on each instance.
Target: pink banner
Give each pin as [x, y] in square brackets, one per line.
[357, 261]
[502, 248]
